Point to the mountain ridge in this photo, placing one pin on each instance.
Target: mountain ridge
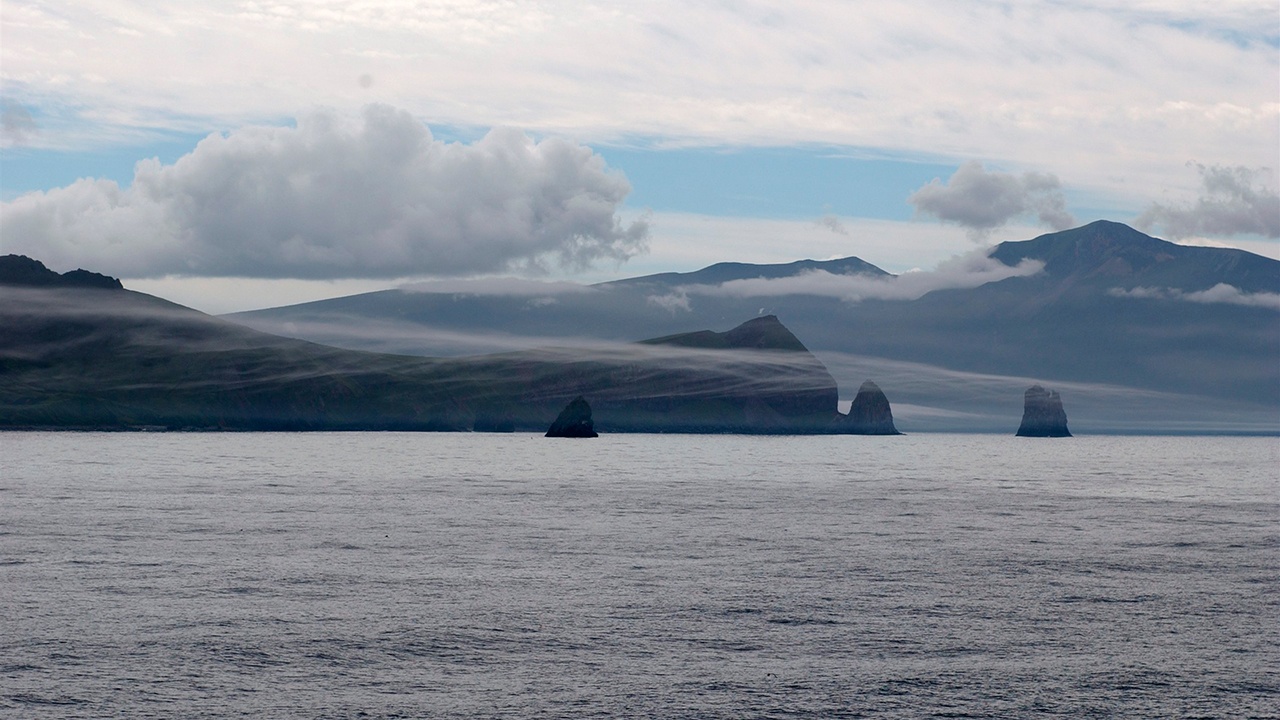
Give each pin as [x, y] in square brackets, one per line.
[722, 272]
[25, 271]
[102, 358]
[1113, 307]
[1114, 253]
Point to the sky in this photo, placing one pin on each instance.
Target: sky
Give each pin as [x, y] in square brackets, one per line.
[233, 155]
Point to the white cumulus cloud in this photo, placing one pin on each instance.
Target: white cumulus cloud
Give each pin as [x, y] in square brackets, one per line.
[336, 197]
[982, 201]
[1233, 201]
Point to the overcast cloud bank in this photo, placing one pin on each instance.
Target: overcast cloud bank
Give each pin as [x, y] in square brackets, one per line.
[1112, 95]
[339, 198]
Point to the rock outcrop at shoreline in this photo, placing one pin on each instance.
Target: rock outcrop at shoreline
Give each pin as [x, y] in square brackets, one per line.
[869, 413]
[574, 421]
[1042, 414]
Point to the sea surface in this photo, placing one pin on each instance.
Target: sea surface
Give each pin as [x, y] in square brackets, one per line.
[386, 575]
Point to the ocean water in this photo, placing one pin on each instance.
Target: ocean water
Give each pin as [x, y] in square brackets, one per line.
[384, 575]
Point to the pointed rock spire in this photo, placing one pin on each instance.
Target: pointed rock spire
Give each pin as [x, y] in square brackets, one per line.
[574, 421]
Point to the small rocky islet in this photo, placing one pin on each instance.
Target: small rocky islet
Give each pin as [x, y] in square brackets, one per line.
[1042, 414]
[574, 421]
[869, 413]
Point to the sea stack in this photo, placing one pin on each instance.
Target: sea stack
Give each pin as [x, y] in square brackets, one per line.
[1042, 414]
[869, 414]
[574, 421]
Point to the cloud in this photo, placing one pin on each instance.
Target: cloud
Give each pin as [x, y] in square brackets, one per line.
[399, 336]
[983, 201]
[964, 271]
[339, 198]
[17, 127]
[1220, 293]
[496, 286]
[671, 302]
[832, 223]
[1233, 201]
[1098, 90]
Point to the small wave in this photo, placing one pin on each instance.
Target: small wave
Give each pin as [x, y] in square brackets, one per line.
[329, 545]
[803, 621]
[28, 699]
[241, 590]
[1102, 599]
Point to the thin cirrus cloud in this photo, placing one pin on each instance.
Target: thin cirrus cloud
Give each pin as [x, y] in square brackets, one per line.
[1233, 201]
[1100, 90]
[982, 201]
[376, 197]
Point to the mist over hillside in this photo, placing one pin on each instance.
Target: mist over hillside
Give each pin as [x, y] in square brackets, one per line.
[79, 351]
[1138, 333]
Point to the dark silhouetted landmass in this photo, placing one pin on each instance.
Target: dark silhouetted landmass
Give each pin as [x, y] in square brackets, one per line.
[574, 421]
[23, 271]
[1042, 414]
[89, 356]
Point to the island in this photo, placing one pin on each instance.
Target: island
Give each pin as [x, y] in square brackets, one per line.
[574, 421]
[1042, 414]
[79, 351]
[869, 413]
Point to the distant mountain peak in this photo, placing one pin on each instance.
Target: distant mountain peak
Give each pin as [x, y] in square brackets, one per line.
[1113, 254]
[22, 270]
[729, 271]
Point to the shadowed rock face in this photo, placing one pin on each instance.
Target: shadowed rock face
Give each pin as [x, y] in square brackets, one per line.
[1042, 414]
[574, 421]
[869, 414]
